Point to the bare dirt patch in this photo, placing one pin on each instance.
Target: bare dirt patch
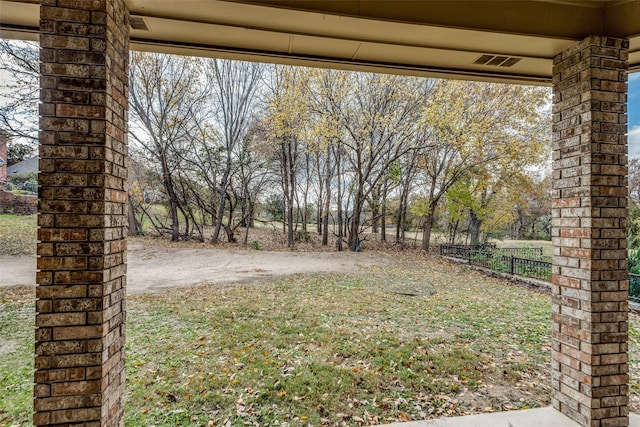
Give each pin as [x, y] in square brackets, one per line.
[154, 266]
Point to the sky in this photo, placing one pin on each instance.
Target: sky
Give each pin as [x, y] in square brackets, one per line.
[633, 115]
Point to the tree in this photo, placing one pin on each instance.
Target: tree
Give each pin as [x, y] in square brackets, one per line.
[378, 117]
[634, 181]
[408, 171]
[327, 88]
[533, 210]
[20, 60]
[235, 90]
[287, 116]
[18, 151]
[166, 104]
[20, 63]
[478, 128]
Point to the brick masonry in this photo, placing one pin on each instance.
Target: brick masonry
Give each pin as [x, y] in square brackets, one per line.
[590, 281]
[80, 307]
[17, 204]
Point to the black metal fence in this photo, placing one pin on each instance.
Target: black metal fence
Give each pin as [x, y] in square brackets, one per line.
[538, 268]
[464, 251]
[527, 262]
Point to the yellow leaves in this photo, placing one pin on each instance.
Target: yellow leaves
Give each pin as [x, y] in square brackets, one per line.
[421, 207]
[288, 103]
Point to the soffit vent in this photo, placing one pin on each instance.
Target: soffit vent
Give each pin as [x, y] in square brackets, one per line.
[497, 60]
[137, 23]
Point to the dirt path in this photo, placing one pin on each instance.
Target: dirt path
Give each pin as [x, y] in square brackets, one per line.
[154, 268]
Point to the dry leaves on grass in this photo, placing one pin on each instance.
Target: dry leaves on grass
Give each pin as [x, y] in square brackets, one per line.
[342, 349]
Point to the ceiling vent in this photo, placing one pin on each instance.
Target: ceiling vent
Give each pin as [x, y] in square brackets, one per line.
[497, 60]
[137, 23]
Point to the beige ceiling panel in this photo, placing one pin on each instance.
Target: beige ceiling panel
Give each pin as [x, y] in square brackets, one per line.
[367, 30]
[19, 20]
[209, 35]
[22, 14]
[192, 10]
[391, 36]
[634, 61]
[348, 27]
[546, 18]
[330, 48]
[535, 68]
[634, 53]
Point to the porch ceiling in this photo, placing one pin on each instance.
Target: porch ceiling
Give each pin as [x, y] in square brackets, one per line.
[432, 38]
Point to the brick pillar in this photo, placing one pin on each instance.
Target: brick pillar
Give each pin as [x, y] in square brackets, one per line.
[590, 281]
[79, 362]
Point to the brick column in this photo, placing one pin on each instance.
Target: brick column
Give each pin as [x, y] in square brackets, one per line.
[590, 281]
[79, 365]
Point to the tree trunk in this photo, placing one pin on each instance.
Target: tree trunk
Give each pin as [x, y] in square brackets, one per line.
[325, 225]
[327, 202]
[474, 228]
[221, 203]
[426, 231]
[243, 212]
[252, 214]
[428, 223]
[375, 225]
[358, 205]
[291, 196]
[173, 203]
[402, 216]
[454, 232]
[134, 225]
[187, 224]
[305, 198]
[246, 236]
[375, 211]
[338, 174]
[519, 223]
[383, 222]
[383, 212]
[355, 226]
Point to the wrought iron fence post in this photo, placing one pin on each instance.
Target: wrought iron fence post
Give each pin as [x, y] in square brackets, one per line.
[512, 270]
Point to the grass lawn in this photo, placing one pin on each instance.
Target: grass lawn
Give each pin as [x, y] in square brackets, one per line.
[18, 234]
[419, 340]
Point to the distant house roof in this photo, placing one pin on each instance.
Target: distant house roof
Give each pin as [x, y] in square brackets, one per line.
[26, 166]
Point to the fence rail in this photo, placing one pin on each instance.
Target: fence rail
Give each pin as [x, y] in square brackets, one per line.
[464, 251]
[531, 268]
[527, 262]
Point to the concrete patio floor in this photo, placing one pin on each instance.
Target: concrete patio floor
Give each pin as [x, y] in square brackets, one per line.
[539, 417]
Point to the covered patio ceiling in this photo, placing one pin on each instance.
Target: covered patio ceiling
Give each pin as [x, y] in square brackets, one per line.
[505, 41]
